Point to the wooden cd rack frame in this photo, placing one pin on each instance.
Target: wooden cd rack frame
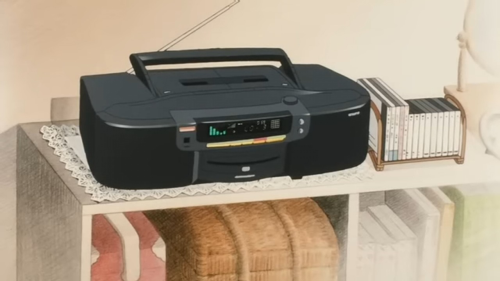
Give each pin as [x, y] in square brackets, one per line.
[379, 163]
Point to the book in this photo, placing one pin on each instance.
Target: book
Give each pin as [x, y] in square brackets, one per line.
[402, 108]
[447, 212]
[409, 137]
[419, 130]
[475, 250]
[437, 129]
[430, 124]
[438, 134]
[388, 113]
[366, 255]
[385, 254]
[406, 242]
[423, 218]
[445, 142]
[457, 126]
[412, 129]
[451, 121]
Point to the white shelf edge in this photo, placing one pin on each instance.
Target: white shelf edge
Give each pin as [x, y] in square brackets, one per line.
[290, 193]
[478, 167]
[352, 237]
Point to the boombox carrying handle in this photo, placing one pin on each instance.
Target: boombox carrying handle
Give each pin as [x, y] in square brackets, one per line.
[141, 60]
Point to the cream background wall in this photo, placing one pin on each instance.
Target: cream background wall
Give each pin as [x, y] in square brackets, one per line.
[46, 45]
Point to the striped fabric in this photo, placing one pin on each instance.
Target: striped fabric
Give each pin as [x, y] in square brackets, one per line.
[126, 247]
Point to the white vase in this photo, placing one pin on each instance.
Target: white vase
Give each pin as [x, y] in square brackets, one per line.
[482, 29]
[482, 101]
[490, 132]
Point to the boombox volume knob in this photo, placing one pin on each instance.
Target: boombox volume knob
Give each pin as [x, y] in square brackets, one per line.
[290, 100]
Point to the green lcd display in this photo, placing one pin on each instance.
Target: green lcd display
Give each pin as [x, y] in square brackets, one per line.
[213, 131]
[245, 127]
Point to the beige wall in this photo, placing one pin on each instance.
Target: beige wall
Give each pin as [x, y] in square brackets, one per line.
[46, 45]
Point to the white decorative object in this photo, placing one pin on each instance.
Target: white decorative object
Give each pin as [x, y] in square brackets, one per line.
[480, 38]
[490, 132]
[57, 139]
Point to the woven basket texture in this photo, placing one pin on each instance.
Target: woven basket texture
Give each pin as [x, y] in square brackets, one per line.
[259, 241]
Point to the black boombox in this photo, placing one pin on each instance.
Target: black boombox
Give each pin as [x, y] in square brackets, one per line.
[176, 127]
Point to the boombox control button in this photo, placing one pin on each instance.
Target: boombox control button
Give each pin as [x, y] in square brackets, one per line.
[275, 138]
[301, 131]
[290, 100]
[301, 121]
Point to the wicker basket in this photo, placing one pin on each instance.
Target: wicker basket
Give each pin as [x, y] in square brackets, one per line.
[275, 241]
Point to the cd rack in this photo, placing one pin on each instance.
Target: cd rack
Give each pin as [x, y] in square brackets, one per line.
[379, 163]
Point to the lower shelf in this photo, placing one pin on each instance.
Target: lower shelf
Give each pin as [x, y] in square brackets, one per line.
[405, 234]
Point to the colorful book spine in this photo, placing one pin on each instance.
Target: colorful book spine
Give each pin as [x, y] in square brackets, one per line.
[385, 249]
[447, 211]
[413, 128]
[395, 118]
[443, 127]
[388, 114]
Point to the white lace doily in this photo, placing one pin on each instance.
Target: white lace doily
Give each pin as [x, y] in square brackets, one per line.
[56, 137]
